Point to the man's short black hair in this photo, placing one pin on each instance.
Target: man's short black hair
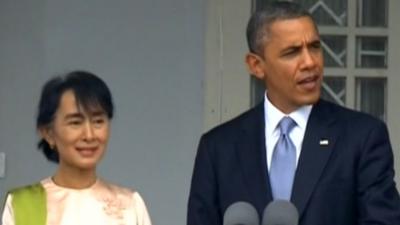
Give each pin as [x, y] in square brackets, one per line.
[261, 20]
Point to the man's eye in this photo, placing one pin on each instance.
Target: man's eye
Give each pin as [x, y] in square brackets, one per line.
[291, 52]
[316, 45]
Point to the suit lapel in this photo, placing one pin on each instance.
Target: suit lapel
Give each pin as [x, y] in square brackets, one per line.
[251, 154]
[318, 142]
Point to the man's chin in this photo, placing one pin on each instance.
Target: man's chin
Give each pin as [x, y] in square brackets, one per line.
[310, 99]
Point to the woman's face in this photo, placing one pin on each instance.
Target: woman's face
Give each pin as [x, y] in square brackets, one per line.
[80, 137]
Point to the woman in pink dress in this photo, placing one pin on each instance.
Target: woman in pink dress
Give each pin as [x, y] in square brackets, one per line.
[75, 112]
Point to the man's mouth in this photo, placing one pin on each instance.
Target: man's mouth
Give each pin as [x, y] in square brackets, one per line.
[309, 83]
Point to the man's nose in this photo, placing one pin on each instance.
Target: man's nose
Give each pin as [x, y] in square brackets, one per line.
[309, 60]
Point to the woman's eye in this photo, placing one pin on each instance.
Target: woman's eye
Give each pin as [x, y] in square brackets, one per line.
[75, 122]
[99, 121]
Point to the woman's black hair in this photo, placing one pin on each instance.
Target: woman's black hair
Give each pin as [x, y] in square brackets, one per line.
[90, 92]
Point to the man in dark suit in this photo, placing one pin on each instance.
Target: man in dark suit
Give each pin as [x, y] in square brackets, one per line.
[343, 165]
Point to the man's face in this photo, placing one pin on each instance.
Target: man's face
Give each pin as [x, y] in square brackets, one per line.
[291, 65]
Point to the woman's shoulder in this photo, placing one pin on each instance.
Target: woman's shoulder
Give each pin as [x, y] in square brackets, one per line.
[115, 188]
[35, 188]
[121, 191]
[120, 195]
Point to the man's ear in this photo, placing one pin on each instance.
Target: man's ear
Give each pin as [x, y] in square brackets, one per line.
[255, 65]
[47, 134]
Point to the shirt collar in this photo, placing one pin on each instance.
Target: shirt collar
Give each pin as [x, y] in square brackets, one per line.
[273, 115]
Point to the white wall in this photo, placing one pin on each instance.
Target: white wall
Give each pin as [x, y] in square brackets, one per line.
[151, 54]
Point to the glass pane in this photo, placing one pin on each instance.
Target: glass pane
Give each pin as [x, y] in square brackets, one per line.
[334, 90]
[327, 12]
[334, 50]
[372, 52]
[371, 96]
[372, 13]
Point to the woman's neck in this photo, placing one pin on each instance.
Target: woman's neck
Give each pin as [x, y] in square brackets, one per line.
[75, 178]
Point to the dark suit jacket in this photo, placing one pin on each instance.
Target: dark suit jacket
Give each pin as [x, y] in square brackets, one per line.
[347, 182]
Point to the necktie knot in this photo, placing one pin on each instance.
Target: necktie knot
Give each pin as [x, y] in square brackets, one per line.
[286, 125]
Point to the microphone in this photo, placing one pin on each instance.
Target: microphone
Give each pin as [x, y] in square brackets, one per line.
[241, 213]
[280, 212]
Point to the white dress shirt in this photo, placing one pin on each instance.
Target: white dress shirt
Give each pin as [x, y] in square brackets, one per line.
[273, 116]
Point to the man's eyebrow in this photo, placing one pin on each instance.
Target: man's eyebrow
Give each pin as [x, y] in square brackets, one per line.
[291, 47]
[315, 41]
[300, 45]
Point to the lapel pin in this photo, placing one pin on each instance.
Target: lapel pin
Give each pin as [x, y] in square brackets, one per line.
[324, 142]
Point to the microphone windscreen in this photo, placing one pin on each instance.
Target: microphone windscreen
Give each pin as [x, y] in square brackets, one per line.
[280, 212]
[241, 213]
